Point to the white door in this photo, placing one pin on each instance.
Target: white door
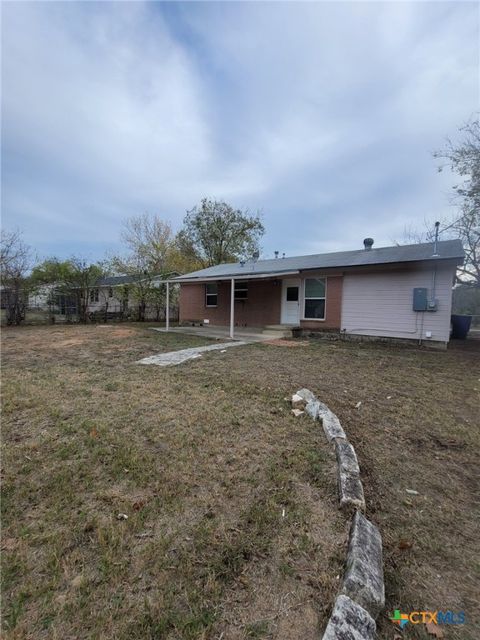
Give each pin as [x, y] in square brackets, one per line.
[290, 301]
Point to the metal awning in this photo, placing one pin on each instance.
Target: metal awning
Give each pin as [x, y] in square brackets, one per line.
[250, 276]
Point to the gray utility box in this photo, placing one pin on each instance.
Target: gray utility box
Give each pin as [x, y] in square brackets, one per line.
[420, 299]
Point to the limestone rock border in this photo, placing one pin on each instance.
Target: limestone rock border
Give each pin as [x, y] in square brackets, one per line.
[362, 595]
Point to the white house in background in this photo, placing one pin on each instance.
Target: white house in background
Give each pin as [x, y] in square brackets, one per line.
[114, 295]
[119, 294]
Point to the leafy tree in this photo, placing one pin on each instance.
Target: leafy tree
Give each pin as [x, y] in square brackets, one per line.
[150, 243]
[215, 232]
[74, 277]
[152, 254]
[15, 263]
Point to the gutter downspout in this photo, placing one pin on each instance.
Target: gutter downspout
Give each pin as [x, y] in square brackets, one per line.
[232, 306]
[167, 310]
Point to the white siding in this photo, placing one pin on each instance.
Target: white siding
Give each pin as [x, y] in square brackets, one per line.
[380, 304]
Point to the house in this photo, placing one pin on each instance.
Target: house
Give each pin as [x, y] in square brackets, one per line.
[138, 295]
[390, 292]
[122, 296]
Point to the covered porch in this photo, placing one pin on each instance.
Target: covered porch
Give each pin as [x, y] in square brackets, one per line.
[259, 305]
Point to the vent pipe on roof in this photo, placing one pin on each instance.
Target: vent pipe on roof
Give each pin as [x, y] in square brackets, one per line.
[368, 243]
[435, 252]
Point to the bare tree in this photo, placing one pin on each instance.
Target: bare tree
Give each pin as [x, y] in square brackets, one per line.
[463, 158]
[150, 239]
[15, 263]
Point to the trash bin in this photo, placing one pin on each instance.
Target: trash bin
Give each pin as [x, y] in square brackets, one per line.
[460, 326]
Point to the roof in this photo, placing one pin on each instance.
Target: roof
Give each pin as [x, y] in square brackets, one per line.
[446, 250]
[112, 281]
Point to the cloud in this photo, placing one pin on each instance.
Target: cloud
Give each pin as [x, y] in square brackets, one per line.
[321, 115]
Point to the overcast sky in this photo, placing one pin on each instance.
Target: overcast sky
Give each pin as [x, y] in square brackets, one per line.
[322, 116]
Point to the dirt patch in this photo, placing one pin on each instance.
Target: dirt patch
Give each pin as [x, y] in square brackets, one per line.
[122, 333]
[72, 342]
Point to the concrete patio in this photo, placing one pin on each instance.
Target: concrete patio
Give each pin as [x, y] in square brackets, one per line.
[245, 334]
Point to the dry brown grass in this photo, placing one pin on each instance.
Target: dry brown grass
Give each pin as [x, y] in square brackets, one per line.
[232, 521]
[204, 458]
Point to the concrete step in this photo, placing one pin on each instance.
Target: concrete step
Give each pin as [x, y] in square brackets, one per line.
[278, 327]
[277, 331]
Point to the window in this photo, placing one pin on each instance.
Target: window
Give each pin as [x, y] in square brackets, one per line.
[315, 298]
[93, 295]
[110, 292]
[241, 291]
[211, 294]
[292, 294]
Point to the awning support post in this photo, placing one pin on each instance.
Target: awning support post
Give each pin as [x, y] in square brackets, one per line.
[167, 310]
[232, 306]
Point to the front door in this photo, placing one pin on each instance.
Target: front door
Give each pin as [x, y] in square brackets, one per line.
[290, 301]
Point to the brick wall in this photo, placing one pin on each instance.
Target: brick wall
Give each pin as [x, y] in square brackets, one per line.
[262, 306]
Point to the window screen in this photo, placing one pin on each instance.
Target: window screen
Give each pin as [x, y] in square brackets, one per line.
[211, 294]
[315, 298]
[241, 291]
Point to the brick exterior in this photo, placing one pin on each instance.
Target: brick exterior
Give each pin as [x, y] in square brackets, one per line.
[333, 308]
[262, 307]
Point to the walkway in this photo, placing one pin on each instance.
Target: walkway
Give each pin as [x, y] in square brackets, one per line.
[177, 357]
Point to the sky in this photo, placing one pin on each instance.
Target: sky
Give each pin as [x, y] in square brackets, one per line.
[321, 116]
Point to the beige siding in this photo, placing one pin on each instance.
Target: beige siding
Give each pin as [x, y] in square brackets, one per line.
[380, 304]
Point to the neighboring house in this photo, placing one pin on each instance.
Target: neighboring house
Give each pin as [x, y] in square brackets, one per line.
[393, 292]
[112, 295]
[120, 295]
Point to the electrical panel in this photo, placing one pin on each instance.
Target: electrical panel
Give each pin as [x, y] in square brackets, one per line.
[420, 299]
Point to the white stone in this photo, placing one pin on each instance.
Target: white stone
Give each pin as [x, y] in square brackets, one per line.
[306, 394]
[349, 621]
[331, 423]
[350, 491]
[346, 457]
[298, 402]
[363, 581]
[297, 412]
[312, 408]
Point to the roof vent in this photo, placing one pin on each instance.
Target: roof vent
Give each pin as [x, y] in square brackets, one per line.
[368, 243]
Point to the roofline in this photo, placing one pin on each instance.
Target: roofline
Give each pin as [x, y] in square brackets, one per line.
[267, 274]
[251, 276]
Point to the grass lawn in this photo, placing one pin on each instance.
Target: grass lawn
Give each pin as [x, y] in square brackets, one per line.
[232, 527]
